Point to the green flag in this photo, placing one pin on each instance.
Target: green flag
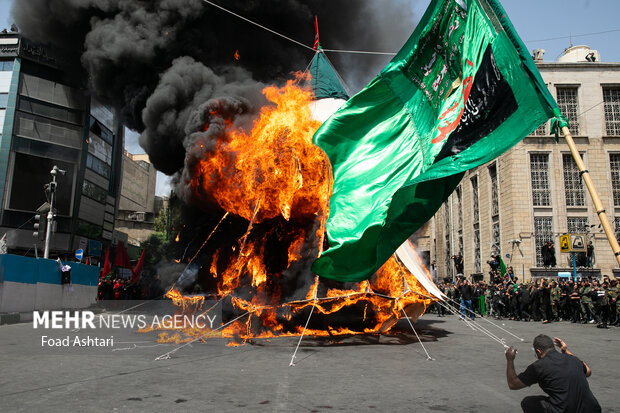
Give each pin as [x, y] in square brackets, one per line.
[502, 266]
[461, 91]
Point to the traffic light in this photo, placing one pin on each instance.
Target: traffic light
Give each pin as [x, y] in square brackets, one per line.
[39, 231]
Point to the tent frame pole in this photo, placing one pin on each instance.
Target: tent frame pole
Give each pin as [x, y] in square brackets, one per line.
[598, 205]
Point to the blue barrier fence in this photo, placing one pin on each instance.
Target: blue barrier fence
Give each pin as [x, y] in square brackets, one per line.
[28, 270]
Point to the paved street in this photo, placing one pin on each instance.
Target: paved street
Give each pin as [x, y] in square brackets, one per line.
[362, 374]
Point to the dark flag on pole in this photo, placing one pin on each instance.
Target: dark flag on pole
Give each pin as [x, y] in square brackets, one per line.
[462, 91]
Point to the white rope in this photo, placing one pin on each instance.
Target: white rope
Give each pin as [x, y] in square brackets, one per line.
[292, 363]
[489, 321]
[257, 24]
[428, 356]
[359, 52]
[475, 326]
[293, 40]
[167, 355]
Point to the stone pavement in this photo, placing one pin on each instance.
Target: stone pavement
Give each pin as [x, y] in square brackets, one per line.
[354, 373]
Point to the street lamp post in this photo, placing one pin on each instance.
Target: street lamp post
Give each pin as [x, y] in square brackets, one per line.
[50, 215]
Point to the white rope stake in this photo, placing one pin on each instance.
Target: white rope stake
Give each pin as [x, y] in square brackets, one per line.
[292, 363]
[428, 356]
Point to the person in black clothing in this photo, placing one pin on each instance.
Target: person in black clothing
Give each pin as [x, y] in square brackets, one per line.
[544, 251]
[524, 302]
[545, 302]
[467, 293]
[535, 301]
[551, 254]
[560, 374]
[458, 263]
[590, 252]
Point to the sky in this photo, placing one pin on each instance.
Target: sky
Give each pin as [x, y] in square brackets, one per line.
[552, 25]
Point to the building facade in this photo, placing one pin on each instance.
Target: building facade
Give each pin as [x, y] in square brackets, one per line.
[48, 119]
[137, 209]
[534, 192]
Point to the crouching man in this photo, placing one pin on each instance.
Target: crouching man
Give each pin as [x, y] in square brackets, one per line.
[560, 374]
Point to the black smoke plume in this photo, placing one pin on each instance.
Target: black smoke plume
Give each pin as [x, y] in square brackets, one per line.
[139, 53]
[169, 68]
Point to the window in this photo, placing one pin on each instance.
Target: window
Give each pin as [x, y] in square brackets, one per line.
[95, 192]
[573, 187]
[614, 161]
[6, 65]
[476, 208]
[98, 166]
[4, 100]
[50, 111]
[447, 229]
[541, 130]
[88, 230]
[567, 101]
[496, 239]
[539, 165]
[617, 228]
[494, 190]
[100, 148]
[48, 130]
[543, 232]
[577, 224]
[611, 97]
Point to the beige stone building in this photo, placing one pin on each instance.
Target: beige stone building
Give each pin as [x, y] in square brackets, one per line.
[534, 192]
[136, 210]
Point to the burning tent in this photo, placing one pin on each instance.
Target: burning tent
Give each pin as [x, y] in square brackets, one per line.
[278, 183]
[194, 84]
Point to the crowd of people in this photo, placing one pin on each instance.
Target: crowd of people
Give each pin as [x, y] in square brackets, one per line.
[583, 301]
[118, 288]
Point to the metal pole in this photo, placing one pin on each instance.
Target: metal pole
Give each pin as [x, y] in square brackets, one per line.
[585, 174]
[50, 215]
[574, 267]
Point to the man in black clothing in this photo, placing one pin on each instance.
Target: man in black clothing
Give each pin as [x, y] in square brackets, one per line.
[544, 252]
[545, 302]
[467, 293]
[560, 374]
[535, 297]
[524, 302]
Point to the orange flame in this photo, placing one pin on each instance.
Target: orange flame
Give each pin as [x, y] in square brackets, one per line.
[177, 237]
[274, 172]
[236, 55]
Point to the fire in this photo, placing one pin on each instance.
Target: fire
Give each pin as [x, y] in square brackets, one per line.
[177, 238]
[279, 182]
[236, 55]
[275, 165]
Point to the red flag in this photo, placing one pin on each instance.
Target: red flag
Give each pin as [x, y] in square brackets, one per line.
[316, 36]
[135, 274]
[106, 264]
[121, 258]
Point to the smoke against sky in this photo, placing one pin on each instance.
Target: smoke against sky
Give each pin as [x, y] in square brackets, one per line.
[129, 45]
[160, 61]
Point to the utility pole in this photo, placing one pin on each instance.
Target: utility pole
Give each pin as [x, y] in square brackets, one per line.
[50, 215]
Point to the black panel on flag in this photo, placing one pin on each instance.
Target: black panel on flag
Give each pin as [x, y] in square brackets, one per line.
[490, 103]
